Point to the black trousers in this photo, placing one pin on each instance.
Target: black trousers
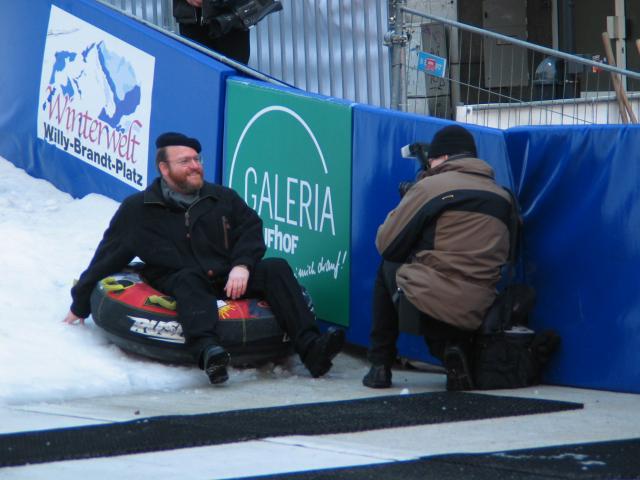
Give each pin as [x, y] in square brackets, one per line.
[235, 44]
[271, 279]
[385, 330]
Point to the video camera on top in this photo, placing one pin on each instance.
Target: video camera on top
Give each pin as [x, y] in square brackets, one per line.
[418, 151]
[222, 16]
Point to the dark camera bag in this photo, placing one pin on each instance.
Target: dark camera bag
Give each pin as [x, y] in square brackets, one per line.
[503, 354]
[504, 360]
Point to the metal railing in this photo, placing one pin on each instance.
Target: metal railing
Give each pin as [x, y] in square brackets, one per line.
[339, 48]
[458, 71]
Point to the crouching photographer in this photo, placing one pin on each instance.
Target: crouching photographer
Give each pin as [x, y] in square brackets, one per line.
[222, 25]
[443, 248]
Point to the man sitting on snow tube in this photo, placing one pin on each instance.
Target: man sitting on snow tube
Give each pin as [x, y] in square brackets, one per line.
[199, 242]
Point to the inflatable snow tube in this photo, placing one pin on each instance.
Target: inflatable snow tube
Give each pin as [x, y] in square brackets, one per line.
[141, 320]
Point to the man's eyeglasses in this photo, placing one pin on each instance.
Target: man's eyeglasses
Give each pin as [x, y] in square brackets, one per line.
[184, 161]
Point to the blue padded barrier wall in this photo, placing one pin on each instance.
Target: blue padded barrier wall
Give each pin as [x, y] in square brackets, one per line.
[579, 190]
[186, 94]
[378, 167]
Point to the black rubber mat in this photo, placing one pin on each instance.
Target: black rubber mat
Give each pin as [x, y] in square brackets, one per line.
[171, 432]
[604, 460]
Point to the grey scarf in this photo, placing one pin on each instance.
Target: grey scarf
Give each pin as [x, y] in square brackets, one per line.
[178, 199]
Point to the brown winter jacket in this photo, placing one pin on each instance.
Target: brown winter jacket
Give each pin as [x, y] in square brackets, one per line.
[451, 232]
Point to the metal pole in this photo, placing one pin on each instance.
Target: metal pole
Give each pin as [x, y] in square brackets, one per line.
[397, 39]
[621, 34]
[567, 38]
[454, 84]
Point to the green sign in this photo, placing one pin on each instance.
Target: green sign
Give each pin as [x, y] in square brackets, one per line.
[289, 157]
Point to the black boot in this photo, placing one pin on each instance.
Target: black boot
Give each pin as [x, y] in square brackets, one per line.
[318, 358]
[457, 365]
[379, 376]
[215, 361]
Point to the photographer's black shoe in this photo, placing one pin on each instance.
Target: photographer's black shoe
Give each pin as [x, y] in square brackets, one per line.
[323, 350]
[379, 376]
[215, 361]
[457, 366]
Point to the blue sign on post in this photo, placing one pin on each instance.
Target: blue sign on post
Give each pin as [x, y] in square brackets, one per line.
[432, 64]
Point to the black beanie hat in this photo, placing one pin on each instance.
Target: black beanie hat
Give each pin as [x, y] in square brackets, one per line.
[170, 139]
[452, 140]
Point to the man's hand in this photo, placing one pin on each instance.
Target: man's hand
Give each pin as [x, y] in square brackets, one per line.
[237, 282]
[72, 319]
[195, 3]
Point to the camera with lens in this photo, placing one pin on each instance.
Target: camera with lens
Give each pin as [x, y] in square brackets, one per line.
[418, 151]
[222, 16]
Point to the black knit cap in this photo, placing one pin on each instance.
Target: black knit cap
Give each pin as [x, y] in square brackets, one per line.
[170, 139]
[452, 140]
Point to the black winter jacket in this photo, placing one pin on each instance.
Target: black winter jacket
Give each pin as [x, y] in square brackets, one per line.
[189, 15]
[185, 13]
[216, 233]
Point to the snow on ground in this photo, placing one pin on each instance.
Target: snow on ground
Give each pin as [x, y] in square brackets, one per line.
[47, 238]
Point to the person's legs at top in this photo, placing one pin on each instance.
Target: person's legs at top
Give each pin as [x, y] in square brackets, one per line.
[235, 44]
